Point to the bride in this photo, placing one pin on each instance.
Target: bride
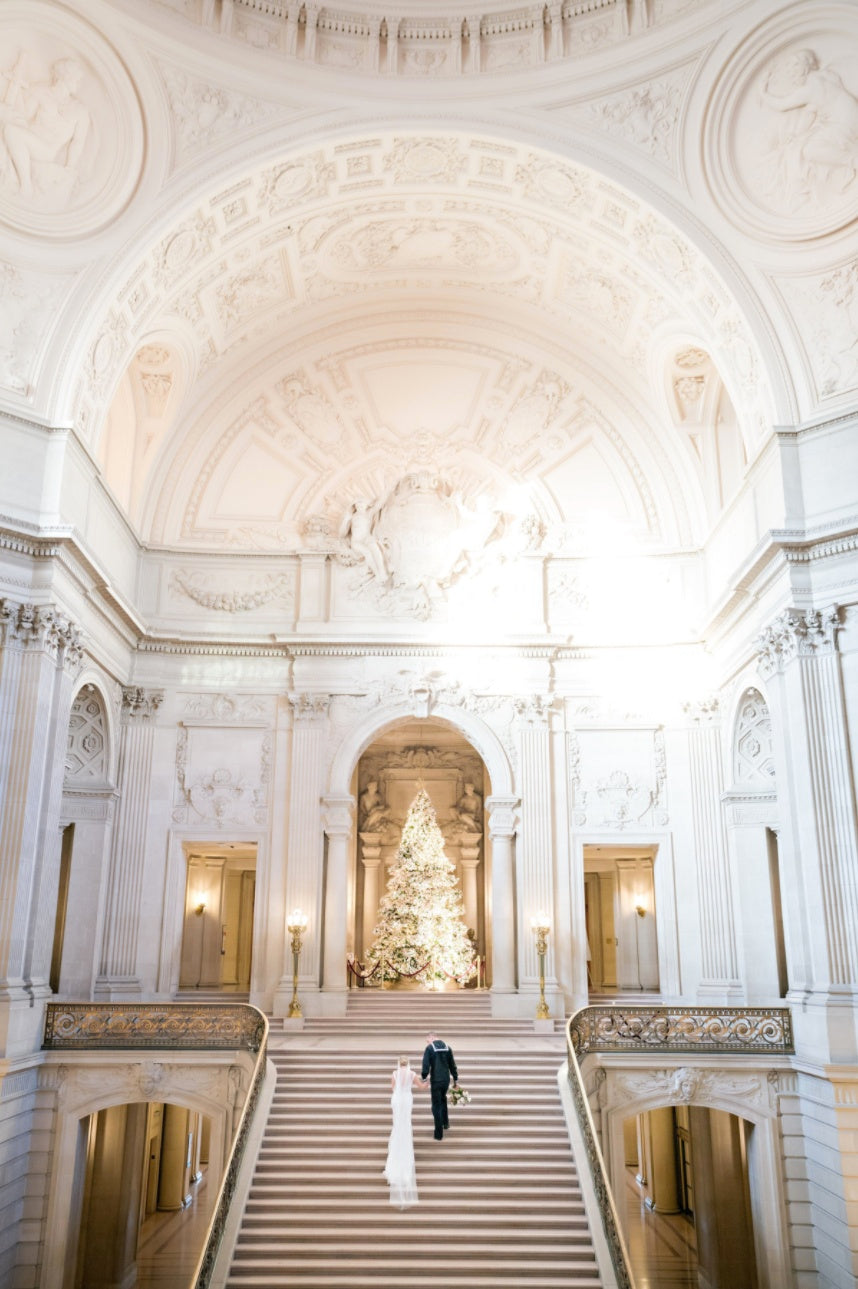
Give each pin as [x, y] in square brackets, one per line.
[399, 1169]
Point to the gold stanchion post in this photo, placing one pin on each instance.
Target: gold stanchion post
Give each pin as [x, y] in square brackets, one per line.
[296, 925]
[540, 925]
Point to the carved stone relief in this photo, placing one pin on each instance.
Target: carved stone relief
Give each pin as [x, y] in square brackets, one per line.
[828, 303]
[70, 128]
[28, 306]
[235, 793]
[786, 132]
[204, 114]
[225, 709]
[617, 799]
[753, 757]
[687, 1085]
[247, 593]
[646, 116]
[507, 243]
[415, 542]
[86, 746]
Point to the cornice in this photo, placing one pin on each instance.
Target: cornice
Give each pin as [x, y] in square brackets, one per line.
[33, 423]
[810, 429]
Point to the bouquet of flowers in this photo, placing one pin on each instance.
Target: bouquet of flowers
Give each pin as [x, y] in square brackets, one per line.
[460, 1096]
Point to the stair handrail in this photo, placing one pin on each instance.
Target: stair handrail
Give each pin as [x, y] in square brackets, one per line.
[188, 1026]
[214, 1235]
[617, 1029]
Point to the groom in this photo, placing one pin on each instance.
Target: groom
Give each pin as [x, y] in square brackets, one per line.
[438, 1065]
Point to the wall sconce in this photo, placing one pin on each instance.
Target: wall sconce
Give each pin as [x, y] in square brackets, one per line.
[296, 925]
[200, 908]
[541, 925]
[640, 909]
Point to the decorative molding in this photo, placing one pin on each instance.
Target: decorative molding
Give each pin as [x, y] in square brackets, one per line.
[688, 1084]
[403, 43]
[193, 584]
[225, 709]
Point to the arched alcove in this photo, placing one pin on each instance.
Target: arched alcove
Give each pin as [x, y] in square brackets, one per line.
[88, 803]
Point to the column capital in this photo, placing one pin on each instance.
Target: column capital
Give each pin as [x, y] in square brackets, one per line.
[796, 634]
[503, 816]
[40, 626]
[309, 708]
[338, 815]
[703, 711]
[534, 710]
[140, 702]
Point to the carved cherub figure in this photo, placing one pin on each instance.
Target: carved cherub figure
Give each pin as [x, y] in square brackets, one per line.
[357, 530]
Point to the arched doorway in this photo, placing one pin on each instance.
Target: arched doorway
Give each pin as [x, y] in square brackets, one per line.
[411, 755]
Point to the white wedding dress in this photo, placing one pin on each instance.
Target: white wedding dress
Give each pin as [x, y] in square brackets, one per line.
[399, 1169]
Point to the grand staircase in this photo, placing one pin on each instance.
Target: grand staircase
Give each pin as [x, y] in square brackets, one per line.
[499, 1203]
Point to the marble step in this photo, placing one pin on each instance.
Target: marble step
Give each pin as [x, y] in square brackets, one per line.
[499, 1207]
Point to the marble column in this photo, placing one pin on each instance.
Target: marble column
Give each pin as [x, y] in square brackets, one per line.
[470, 861]
[338, 822]
[118, 974]
[305, 846]
[719, 960]
[371, 863]
[818, 839]
[39, 654]
[503, 818]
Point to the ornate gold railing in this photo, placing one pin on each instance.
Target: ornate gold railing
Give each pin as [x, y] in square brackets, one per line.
[174, 1025]
[705, 1031]
[179, 1025]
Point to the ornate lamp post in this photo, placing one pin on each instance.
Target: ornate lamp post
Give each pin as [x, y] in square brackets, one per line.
[540, 925]
[296, 924]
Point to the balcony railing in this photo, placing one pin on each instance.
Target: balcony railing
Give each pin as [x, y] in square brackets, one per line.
[704, 1031]
[195, 1026]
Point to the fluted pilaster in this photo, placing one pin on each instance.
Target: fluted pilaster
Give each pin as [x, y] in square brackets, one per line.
[719, 959]
[39, 654]
[118, 976]
[818, 838]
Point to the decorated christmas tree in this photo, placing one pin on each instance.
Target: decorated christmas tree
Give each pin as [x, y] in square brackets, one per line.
[421, 931]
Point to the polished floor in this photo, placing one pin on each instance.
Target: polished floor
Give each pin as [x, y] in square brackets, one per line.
[662, 1247]
[170, 1244]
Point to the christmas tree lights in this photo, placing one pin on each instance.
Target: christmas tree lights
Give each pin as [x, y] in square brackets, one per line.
[421, 931]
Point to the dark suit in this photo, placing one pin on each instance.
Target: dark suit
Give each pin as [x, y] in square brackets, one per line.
[439, 1066]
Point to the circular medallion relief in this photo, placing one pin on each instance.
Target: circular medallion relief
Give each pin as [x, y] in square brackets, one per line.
[71, 134]
[782, 133]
